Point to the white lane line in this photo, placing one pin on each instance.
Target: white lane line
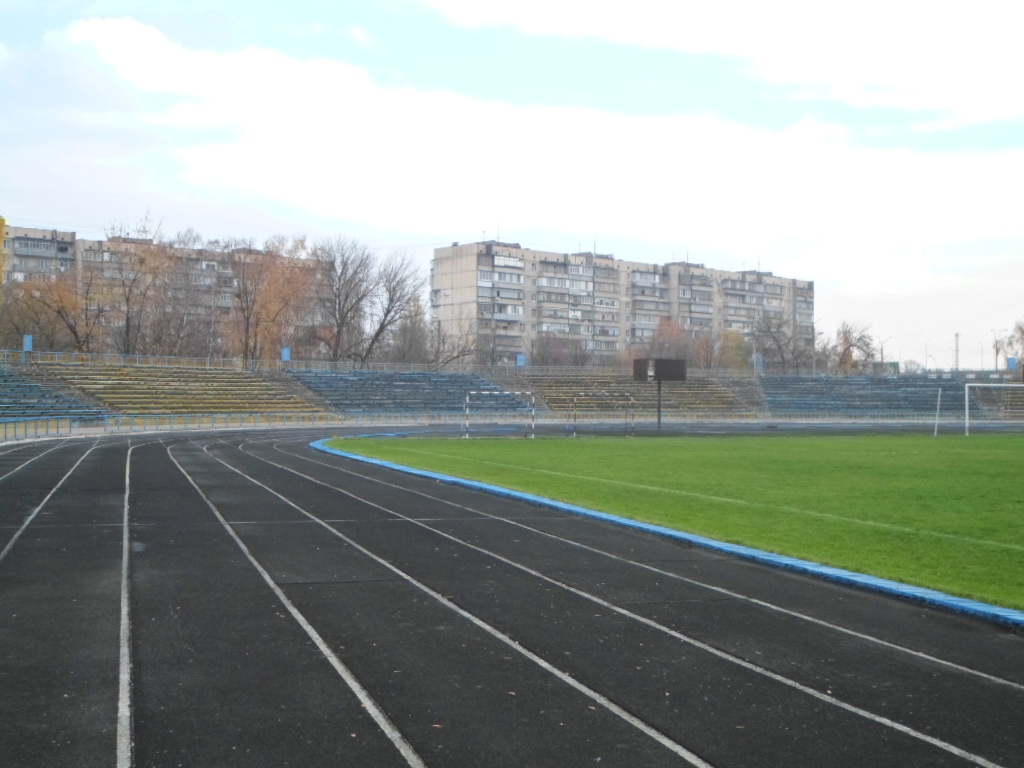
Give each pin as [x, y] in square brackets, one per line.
[654, 569]
[22, 466]
[383, 721]
[767, 673]
[125, 743]
[32, 515]
[566, 678]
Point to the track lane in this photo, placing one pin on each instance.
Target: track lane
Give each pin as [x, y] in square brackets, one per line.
[13, 460]
[369, 606]
[992, 711]
[222, 675]
[26, 488]
[836, 607]
[60, 592]
[463, 677]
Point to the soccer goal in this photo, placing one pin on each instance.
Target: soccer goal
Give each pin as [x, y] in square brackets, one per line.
[503, 408]
[1018, 400]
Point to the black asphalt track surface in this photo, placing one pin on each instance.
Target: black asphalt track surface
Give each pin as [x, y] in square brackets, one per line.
[240, 599]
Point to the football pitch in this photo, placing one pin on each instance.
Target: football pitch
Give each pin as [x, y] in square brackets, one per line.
[945, 513]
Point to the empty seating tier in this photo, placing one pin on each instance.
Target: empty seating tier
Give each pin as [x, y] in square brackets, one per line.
[23, 396]
[155, 390]
[862, 396]
[407, 392]
[604, 392]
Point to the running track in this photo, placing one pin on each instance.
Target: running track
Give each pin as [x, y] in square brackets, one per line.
[244, 600]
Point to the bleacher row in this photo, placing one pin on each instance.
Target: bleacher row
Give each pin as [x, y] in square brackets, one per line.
[618, 392]
[92, 391]
[403, 392]
[22, 397]
[862, 396]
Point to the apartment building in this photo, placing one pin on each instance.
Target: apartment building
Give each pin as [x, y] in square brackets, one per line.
[509, 297]
[34, 254]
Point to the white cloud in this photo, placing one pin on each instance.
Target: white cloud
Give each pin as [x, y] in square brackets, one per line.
[957, 59]
[256, 136]
[5, 53]
[322, 136]
[359, 35]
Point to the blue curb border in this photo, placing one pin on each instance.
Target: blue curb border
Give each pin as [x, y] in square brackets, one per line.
[1007, 617]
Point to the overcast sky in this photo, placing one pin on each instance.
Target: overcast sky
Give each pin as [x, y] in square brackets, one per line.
[876, 148]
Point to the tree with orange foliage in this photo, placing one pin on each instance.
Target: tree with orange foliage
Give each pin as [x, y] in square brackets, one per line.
[271, 284]
[79, 304]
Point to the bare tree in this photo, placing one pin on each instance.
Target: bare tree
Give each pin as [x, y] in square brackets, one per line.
[409, 341]
[188, 312]
[548, 349]
[396, 286]
[780, 350]
[452, 344]
[579, 353]
[136, 272]
[188, 239]
[251, 269]
[853, 348]
[1013, 344]
[344, 287]
[361, 297]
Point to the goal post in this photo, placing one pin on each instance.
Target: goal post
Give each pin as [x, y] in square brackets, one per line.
[527, 416]
[967, 399]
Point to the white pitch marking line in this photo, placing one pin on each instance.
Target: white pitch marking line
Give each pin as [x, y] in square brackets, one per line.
[374, 710]
[125, 743]
[32, 516]
[880, 719]
[595, 696]
[720, 590]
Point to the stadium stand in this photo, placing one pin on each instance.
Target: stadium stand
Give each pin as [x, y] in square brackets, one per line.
[361, 391]
[23, 396]
[591, 391]
[998, 403]
[41, 390]
[169, 390]
[862, 396]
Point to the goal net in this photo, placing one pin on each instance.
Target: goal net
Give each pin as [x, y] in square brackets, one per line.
[993, 402]
[515, 408]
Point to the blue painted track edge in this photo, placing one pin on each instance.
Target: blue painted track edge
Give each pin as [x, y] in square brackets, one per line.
[986, 611]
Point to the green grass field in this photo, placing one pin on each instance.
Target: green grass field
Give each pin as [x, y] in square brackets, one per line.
[944, 513]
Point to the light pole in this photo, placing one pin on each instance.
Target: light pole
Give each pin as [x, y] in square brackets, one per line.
[881, 345]
[995, 346]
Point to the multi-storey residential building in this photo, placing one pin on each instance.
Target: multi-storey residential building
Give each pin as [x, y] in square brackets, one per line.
[185, 296]
[37, 253]
[508, 297]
